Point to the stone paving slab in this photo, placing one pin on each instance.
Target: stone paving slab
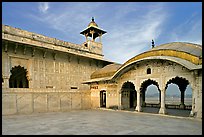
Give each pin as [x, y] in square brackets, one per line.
[99, 122]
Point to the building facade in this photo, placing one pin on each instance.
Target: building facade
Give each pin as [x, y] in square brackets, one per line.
[41, 74]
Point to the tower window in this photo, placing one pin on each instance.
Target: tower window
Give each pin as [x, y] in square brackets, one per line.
[149, 71]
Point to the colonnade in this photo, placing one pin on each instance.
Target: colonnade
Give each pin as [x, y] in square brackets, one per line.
[162, 95]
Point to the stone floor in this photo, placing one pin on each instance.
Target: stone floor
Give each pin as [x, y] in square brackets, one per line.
[99, 122]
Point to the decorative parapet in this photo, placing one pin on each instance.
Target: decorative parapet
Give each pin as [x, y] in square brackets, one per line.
[25, 37]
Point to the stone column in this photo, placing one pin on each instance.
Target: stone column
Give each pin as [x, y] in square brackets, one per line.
[6, 82]
[138, 107]
[86, 35]
[193, 105]
[159, 97]
[194, 93]
[182, 105]
[100, 38]
[162, 109]
[143, 99]
[5, 70]
[197, 111]
[119, 101]
[92, 32]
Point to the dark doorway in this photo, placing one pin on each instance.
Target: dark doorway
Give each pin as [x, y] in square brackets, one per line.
[128, 96]
[103, 98]
[132, 99]
[18, 79]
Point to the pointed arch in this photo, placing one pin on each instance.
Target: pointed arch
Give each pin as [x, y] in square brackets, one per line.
[148, 82]
[182, 84]
[143, 89]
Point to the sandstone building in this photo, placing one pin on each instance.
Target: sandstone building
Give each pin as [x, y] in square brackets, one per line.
[41, 74]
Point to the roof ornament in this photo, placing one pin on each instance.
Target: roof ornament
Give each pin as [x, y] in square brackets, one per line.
[153, 44]
[92, 19]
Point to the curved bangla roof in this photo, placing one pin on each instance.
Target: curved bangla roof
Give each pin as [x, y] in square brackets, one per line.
[185, 54]
[181, 50]
[190, 48]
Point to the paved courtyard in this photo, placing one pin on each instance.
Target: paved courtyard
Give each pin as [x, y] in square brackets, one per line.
[99, 122]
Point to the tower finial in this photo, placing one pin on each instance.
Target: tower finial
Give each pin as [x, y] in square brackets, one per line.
[93, 19]
[152, 43]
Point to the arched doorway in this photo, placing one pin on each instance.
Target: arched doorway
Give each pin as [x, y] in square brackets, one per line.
[128, 96]
[150, 96]
[178, 90]
[18, 78]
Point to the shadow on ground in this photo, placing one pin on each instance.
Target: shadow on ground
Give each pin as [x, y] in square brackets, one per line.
[172, 112]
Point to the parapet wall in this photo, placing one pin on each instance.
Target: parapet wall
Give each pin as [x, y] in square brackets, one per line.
[25, 37]
[27, 101]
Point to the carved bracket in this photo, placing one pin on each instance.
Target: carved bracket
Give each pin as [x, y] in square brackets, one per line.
[69, 58]
[16, 48]
[44, 53]
[6, 46]
[54, 56]
[90, 62]
[33, 52]
[24, 50]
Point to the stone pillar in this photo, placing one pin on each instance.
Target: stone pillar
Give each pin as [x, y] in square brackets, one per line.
[138, 107]
[86, 35]
[160, 98]
[182, 105]
[92, 32]
[162, 109]
[119, 101]
[198, 94]
[193, 105]
[6, 82]
[100, 38]
[143, 99]
[5, 69]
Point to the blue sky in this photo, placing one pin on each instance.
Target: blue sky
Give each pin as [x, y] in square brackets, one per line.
[130, 26]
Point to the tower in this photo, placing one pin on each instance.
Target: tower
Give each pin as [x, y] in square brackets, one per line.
[93, 31]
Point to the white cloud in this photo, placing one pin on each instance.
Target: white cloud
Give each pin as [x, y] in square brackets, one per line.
[43, 7]
[130, 26]
[128, 36]
[125, 42]
[68, 18]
